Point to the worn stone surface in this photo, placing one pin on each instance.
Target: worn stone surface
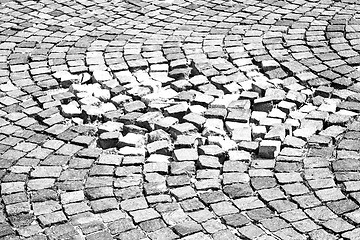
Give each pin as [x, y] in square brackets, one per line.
[179, 119]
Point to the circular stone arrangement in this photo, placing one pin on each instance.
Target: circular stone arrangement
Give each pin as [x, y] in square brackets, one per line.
[180, 120]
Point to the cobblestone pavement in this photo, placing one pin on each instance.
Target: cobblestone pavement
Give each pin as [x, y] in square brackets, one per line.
[180, 119]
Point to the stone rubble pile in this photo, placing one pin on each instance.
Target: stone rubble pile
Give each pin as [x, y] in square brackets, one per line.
[260, 116]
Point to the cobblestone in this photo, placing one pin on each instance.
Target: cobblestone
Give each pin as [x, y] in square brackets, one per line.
[179, 120]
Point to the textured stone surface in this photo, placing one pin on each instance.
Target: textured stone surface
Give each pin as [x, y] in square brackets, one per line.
[179, 119]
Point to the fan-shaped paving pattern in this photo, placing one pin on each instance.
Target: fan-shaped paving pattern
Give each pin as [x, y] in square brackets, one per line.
[179, 119]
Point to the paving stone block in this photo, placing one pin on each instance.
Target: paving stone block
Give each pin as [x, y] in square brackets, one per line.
[251, 231]
[289, 233]
[187, 227]
[162, 234]
[70, 197]
[269, 148]
[144, 215]
[242, 134]
[338, 225]
[121, 225]
[99, 235]
[134, 204]
[52, 218]
[186, 154]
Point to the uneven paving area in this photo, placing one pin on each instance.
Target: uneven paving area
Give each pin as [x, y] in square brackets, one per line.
[180, 119]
